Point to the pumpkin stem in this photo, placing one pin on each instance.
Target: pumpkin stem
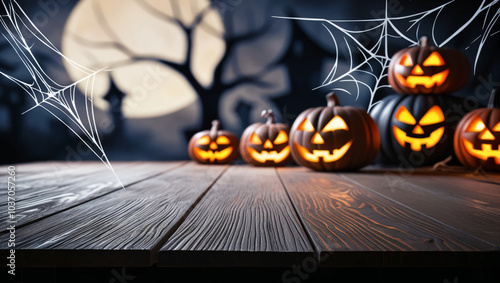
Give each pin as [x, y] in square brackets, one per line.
[332, 99]
[215, 128]
[269, 115]
[424, 42]
[493, 99]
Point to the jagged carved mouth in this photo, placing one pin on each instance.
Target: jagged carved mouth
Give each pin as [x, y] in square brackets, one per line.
[416, 143]
[326, 155]
[213, 155]
[265, 156]
[427, 81]
[484, 153]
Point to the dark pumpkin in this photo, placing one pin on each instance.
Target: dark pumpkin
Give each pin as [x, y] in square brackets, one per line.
[416, 130]
[334, 138]
[425, 69]
[266, 144]
[477, 138]
[213, 146]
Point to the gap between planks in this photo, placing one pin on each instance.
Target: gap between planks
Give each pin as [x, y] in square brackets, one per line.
[96, 234]
[246, 219]
[450, 204]
[377, 253]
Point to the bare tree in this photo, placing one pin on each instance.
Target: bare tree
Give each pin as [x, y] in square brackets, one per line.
[208, 95]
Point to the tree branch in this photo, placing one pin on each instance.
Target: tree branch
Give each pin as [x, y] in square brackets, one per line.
[231, 42]
[159, 14]
[102, 44]
[104, 22]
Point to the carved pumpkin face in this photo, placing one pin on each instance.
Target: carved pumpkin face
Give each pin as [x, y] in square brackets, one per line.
[334, 138]
[428, 69]
[217, 150]
[266, 144]
[432, 122]
[477, 138]
[325, 132]
[417, 75]
[414, 129]
[213, 146]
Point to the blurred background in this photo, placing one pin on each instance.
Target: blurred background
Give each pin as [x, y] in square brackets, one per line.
[172, 66]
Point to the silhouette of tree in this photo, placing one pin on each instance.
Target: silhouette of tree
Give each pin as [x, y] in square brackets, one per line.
[209, 95]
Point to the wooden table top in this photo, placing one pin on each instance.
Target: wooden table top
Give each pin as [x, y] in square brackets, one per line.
[184, 214]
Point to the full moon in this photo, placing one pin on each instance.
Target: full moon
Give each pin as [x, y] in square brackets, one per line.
[131, 40]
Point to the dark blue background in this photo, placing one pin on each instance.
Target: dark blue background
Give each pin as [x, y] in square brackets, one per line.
[306, 58]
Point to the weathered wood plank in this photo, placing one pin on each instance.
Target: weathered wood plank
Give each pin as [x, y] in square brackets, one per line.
[124, 228]
[455, 171]
[48, 174]
[468, 205]
[246, 219]
[353, 226]
[30, 170]
[47, 193]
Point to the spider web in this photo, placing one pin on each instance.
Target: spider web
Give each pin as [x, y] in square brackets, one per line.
[57, 99]
[375, 57]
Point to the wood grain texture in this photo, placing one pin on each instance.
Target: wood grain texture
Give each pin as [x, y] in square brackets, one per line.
[455, 171]
[468, 205]
[123, 228]
[31, 170]
[30, 178]
[353, 226]
[51, 190]
[246, 219]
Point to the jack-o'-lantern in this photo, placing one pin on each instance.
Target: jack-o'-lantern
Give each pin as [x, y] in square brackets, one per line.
[266, 144]
[425, 69]
[334, 138]
[477, 138]
[415, 129]
[213, 146]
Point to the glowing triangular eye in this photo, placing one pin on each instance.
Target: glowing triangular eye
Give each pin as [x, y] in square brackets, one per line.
[496, 128]
[433, 116]
[204, 140]
[336, 123]
[255, 139]
[434, 60]
[281, 138]
[476, 125]
[405, 116]
[306, 126]
[406, 61]
[223, 140]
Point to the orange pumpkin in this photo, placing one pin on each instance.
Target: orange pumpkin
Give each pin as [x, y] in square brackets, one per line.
[266, 144]
[477, 138]
[334, 138]
[213, 146]
[425, 69]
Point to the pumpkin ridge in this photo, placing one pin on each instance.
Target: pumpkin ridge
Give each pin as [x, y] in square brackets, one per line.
[267, 153]
[345, 140]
